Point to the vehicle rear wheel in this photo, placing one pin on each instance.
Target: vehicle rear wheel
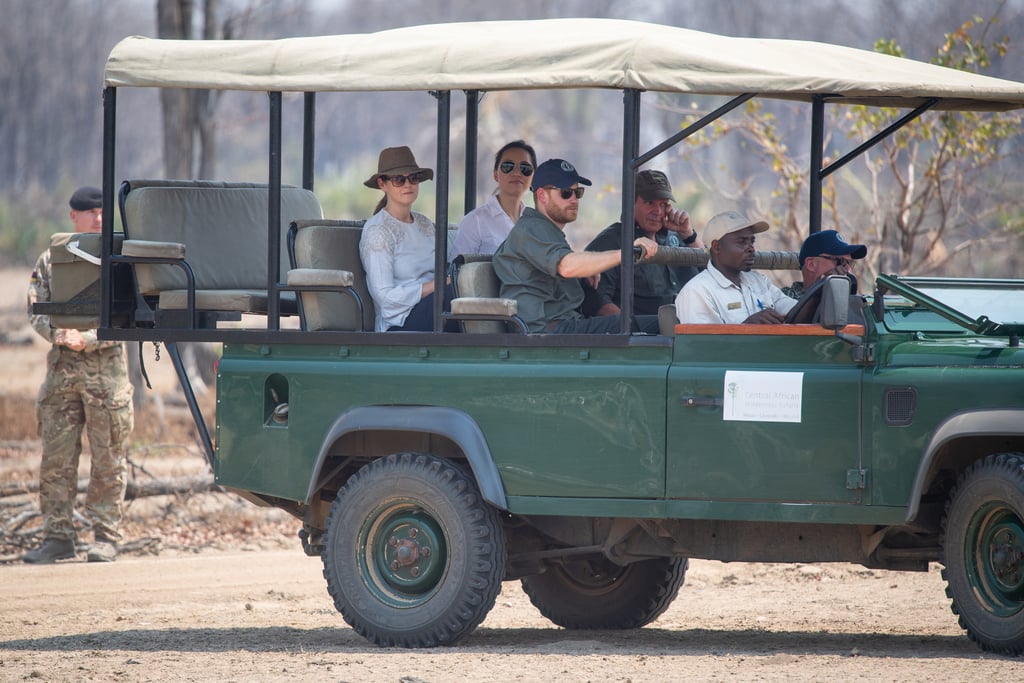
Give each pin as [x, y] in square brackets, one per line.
[599, 594]
[983, 546]
[413, 557]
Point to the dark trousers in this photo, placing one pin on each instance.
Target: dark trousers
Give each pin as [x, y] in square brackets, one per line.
[421, 317]
[604, 324]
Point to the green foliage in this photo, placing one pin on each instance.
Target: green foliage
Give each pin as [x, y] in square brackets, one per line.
[25, 232]
[918, 199]
[935, 164]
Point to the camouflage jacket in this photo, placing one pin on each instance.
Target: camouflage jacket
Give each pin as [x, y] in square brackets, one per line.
[794, 291]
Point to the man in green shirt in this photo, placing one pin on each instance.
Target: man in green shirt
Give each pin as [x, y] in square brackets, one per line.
[539, 269]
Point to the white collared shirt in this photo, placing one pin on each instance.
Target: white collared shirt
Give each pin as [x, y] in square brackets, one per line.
[482, 230]
[711, 298]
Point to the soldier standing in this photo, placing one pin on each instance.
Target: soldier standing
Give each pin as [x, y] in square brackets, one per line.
[86, 386]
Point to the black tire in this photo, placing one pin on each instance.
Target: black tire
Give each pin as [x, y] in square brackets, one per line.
[414, 557]
[983, 549]
[599, 594]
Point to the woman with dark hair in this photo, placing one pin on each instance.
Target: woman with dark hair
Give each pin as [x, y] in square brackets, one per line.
[487, 226]
[397, 246]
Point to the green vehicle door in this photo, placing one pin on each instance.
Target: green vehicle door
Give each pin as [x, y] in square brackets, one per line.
[764, 425]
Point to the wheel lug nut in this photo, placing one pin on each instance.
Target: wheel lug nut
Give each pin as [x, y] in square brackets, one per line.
[395, 566]
[415, 571]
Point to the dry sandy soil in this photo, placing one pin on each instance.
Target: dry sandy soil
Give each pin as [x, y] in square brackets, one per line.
[213, 588]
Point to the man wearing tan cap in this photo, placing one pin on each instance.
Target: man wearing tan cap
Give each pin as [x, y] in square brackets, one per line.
[728, 291]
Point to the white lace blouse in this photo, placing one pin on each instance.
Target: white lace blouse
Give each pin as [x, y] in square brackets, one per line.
[398, 258]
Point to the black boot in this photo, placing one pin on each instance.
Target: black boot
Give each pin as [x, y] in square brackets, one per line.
[50, 551]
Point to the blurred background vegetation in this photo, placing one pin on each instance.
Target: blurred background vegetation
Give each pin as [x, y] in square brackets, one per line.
[52, 56]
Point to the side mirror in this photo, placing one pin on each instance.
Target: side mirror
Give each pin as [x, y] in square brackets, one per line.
[834, 309]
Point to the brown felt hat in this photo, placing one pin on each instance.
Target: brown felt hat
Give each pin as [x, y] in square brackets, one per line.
[397, 161]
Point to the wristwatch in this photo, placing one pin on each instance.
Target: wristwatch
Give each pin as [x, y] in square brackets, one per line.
[691, 239]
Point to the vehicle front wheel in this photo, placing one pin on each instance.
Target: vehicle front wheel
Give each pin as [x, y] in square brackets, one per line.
[983, 546]
[599, 594]
[413, 556]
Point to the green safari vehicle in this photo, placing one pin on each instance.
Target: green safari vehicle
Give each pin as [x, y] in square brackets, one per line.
[427, 468]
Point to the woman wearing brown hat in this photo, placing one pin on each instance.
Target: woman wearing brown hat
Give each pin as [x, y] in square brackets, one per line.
[397, 246]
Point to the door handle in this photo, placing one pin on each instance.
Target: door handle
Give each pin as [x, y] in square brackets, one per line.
[700, 401]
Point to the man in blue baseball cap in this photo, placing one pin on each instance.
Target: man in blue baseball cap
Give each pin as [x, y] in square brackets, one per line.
[539, 269]
[824, 253]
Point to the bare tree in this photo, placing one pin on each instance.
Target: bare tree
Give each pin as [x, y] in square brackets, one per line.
[189, 133]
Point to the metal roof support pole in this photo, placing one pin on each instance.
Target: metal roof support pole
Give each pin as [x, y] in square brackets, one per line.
[630, 148]
[878, 137]
[472, 121]
[107, 239]
[308, 138]
[190, 398]
[697, 125]
[817, 160]
[444, 113]
[274, 214]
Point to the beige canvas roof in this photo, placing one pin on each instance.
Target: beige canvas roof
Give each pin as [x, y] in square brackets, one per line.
[552, 53]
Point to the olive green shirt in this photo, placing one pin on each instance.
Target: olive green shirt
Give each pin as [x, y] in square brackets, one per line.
[527, 265]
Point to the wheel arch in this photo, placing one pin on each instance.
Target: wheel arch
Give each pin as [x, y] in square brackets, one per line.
[450, 424]
[962, 439]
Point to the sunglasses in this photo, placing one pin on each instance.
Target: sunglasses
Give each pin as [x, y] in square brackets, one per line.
[567, 194]
[399, 180]
[509, 166]
[839, 261]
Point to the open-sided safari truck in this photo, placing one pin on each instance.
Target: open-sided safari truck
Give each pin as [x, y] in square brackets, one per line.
[427, 468]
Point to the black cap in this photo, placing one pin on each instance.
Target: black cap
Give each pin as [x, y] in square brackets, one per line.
[86, 198]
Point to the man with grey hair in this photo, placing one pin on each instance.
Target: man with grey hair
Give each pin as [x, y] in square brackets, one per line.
[654, 284]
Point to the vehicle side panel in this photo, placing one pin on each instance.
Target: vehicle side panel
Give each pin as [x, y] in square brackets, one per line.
[919, 385]
[586, 420]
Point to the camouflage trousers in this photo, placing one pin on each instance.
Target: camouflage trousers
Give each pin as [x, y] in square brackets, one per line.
[87, 390]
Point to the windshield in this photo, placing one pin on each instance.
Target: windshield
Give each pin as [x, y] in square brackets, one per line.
[956, 303]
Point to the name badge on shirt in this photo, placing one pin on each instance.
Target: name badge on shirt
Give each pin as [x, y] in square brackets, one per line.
[734, 305]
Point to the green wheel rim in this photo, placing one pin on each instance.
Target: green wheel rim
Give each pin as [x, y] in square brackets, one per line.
[403, 554]
[994, 554]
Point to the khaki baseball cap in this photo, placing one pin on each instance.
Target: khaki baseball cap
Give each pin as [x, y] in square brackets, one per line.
[722, 224]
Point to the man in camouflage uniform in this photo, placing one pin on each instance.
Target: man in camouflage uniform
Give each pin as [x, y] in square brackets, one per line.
[87, 386]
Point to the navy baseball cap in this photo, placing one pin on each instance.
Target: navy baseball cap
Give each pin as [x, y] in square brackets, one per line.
[557, 173]
[832, 243]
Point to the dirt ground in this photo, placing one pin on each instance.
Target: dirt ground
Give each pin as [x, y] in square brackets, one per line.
[213, 588]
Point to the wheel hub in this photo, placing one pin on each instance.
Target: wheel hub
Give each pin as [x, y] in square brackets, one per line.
[1006, 552]
[409, 552]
